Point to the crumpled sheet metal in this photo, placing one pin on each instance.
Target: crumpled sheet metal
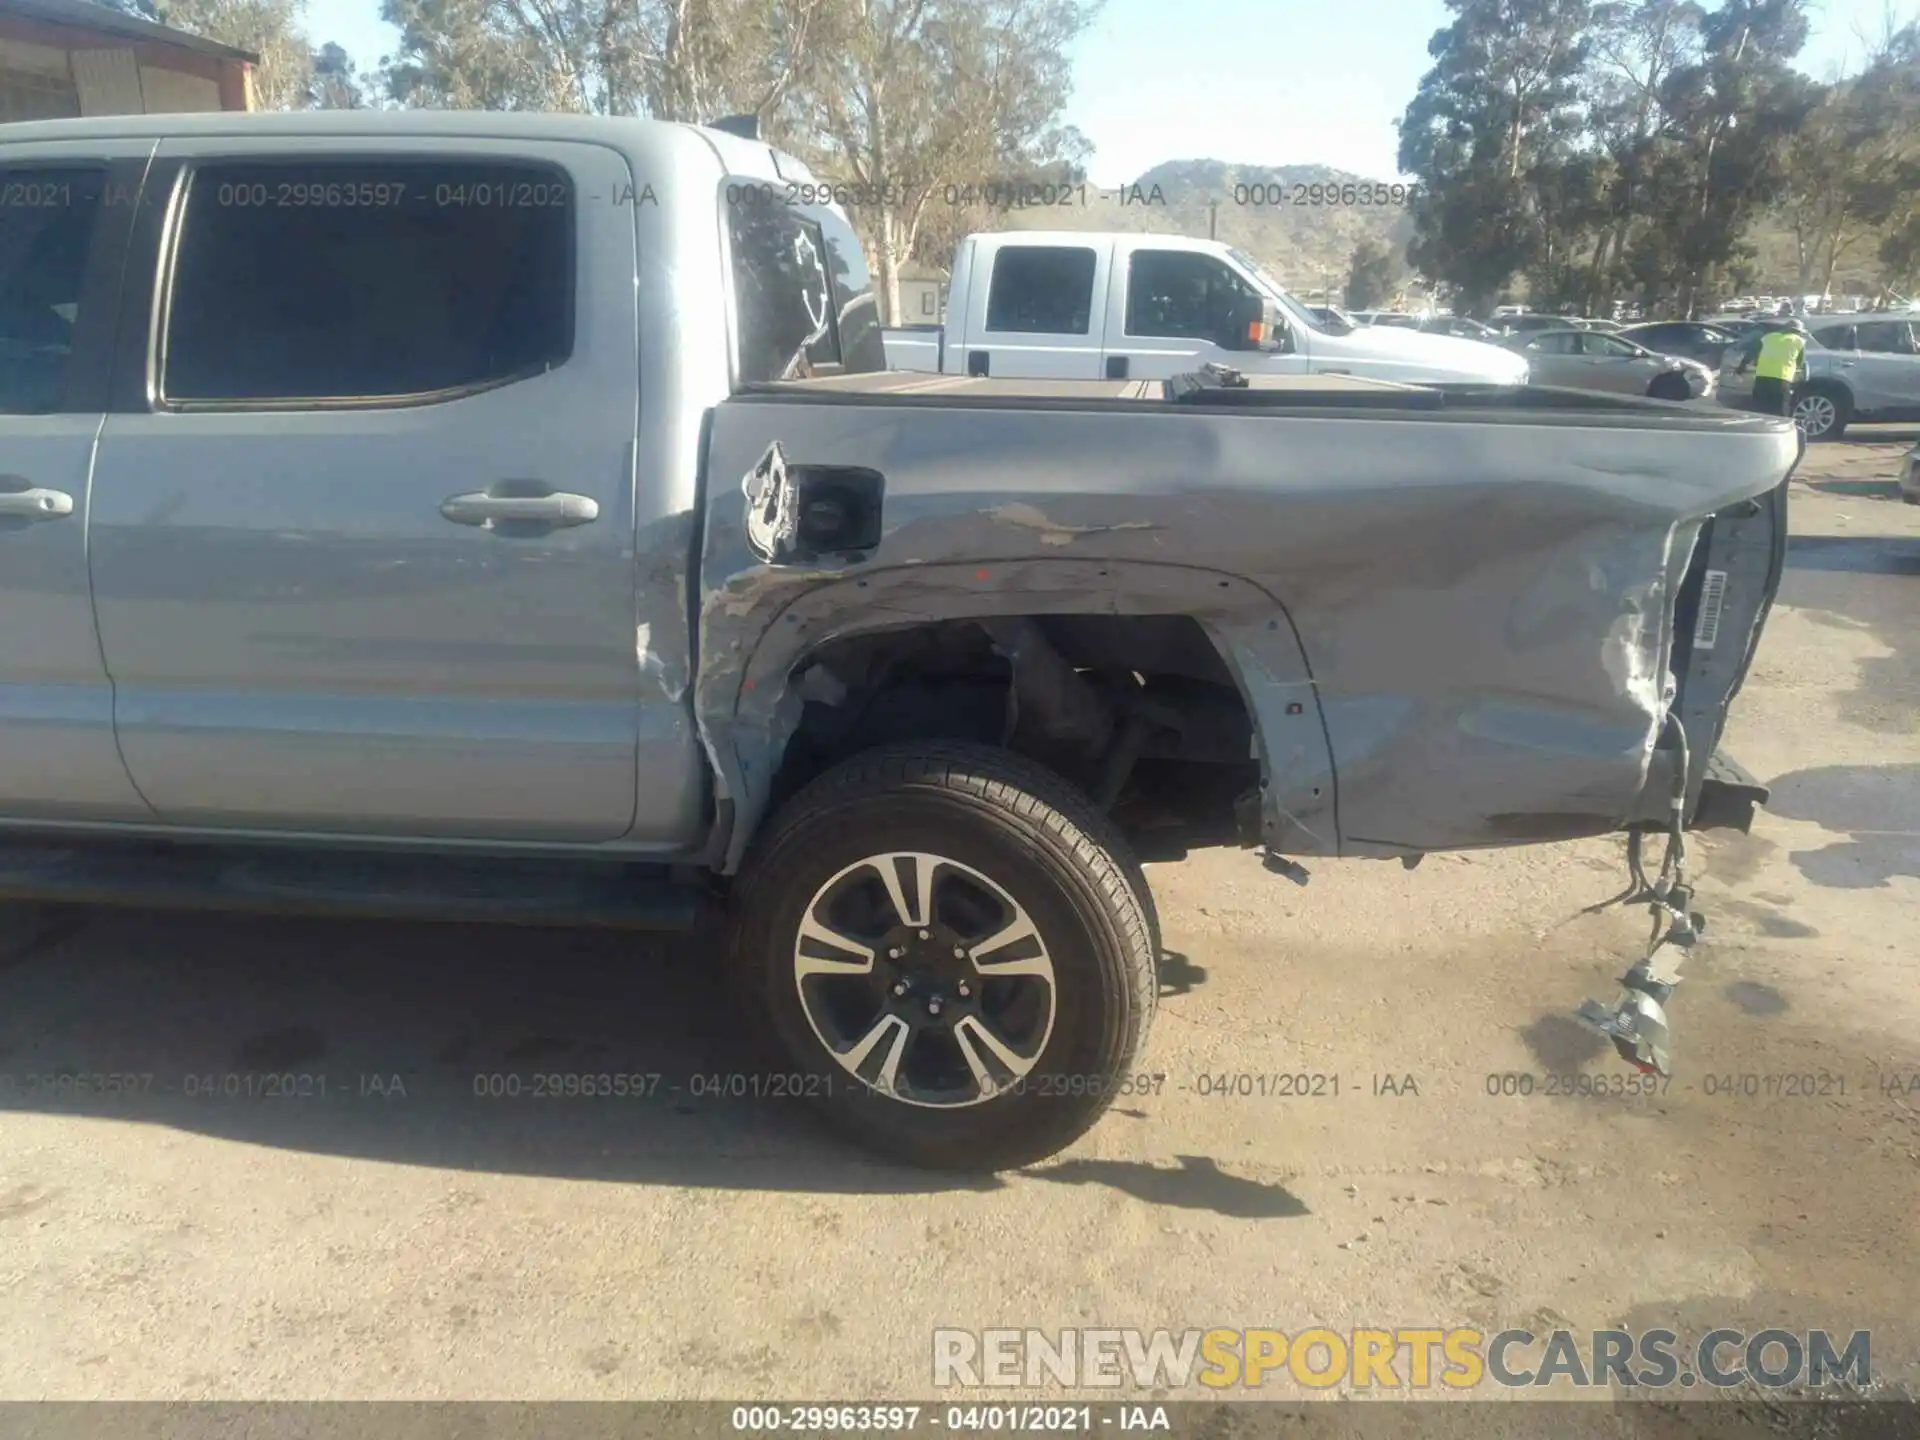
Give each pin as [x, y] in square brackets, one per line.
[1471, 616]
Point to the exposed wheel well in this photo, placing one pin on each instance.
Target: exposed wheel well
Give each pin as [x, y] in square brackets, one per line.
[1140, 712]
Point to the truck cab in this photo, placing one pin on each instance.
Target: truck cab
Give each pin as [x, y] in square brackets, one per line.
[1068, 305]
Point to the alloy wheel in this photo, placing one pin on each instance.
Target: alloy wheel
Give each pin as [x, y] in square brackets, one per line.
[1815, 415]
[924, 979]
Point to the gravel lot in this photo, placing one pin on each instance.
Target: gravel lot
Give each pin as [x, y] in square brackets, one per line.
[432, 1244]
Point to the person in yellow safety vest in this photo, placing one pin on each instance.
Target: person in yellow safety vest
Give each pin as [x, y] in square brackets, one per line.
[1779, 364]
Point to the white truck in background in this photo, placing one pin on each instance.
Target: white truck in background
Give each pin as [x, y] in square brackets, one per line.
[1076, 305]
[913, 347]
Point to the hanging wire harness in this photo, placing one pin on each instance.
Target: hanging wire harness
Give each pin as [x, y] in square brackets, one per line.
[1637, 1023]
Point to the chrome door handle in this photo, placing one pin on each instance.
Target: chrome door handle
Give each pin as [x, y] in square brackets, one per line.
[561, 508]
[33, 503]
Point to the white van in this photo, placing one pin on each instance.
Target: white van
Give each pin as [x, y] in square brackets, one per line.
[1086, 305]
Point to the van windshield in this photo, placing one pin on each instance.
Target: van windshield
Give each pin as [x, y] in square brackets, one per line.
[1296, 312]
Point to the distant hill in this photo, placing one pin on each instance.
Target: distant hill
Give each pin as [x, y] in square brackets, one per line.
[1777, 263]
[1307, 245]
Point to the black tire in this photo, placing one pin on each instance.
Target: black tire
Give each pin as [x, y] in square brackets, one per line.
[1037, 838]
[1669, 387]
[1842, 410]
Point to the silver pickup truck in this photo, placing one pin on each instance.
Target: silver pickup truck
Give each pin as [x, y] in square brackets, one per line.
[510, 517]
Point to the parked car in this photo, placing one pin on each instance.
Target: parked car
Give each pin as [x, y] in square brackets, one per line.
[1525, 323]
[1739, 328]
[1688, 338]
[1859, 369]
[1610, 327]
[1087, 305]
[1590, 360]
[567, 561]
[1388, 317]
[1461, 326]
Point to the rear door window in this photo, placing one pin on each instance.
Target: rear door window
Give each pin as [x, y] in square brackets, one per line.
[47, 218]
[1041, 290]
[297, 281]
[1886, 337]
[1596, 342]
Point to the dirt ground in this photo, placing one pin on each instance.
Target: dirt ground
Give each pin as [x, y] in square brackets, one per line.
[434, 1244]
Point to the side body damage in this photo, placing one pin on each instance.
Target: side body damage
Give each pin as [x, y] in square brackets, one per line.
[1446, 631]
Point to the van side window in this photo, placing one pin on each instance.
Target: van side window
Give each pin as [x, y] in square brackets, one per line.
[1178, 293]
[1836, 337]
[297, 281]
[1041, 290]
[46, 227]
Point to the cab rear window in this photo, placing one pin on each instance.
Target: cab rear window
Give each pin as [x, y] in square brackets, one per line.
[785, 313]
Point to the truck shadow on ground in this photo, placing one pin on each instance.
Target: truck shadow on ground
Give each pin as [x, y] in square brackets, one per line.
[1561, 1045]
[1858, 489]
[449, 1046]
[1197, 1184]
[1889, 432]
[1837, 581]
[1179, 975]
[1858, 554]
[1875, 805]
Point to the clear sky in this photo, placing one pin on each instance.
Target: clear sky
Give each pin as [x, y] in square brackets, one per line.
[1267, 82]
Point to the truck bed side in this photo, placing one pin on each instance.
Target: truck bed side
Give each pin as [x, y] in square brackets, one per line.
[1452, 627]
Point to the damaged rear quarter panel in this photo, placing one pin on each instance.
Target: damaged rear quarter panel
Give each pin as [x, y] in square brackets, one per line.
[1470, 617]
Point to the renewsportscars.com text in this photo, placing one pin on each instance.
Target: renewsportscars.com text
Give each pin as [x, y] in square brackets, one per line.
[1397, 1359]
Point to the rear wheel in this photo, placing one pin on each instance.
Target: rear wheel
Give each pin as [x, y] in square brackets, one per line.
[1822, 413]
[944, 945]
